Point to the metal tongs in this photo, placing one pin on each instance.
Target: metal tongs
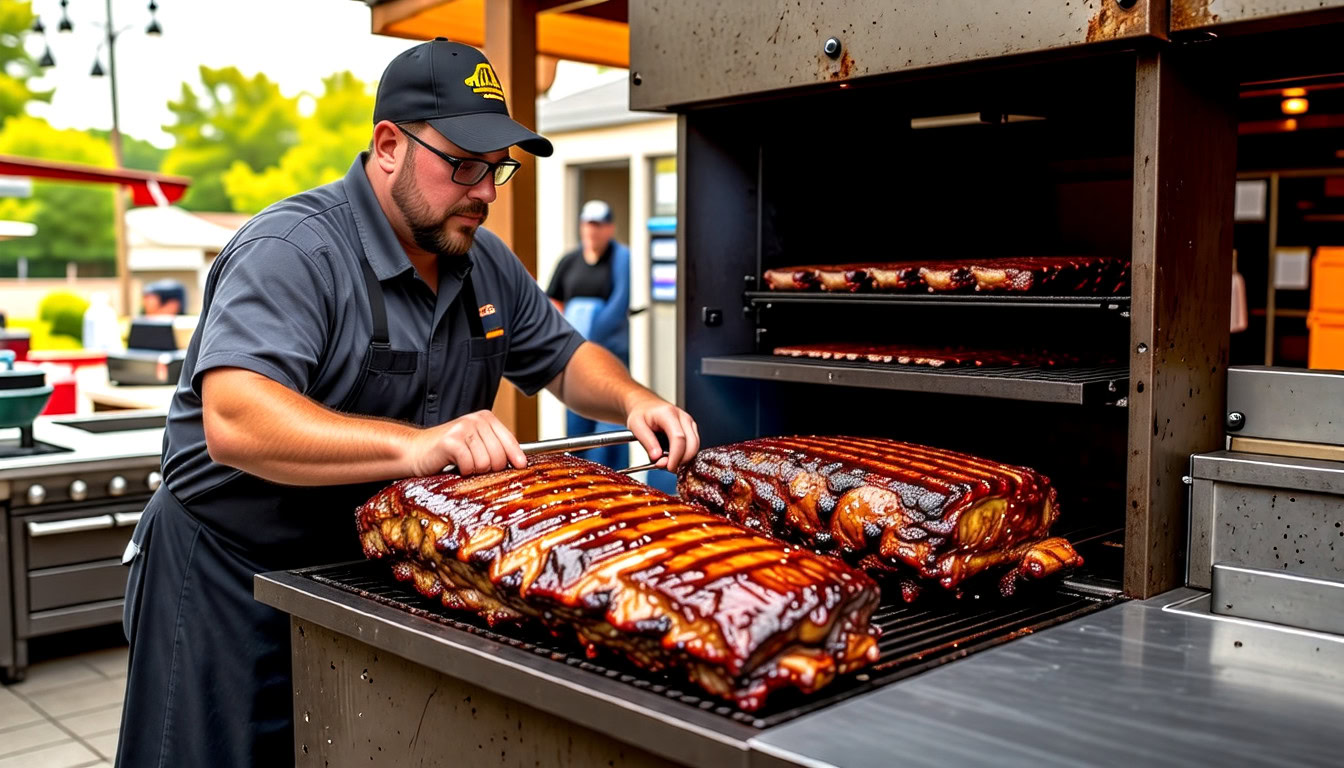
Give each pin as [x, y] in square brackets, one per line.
[583, 443]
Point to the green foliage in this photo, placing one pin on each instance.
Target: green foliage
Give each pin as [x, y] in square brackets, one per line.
[41, 337]
[136, 153]
[64, 313]
[328, 141]
[233, 119]
[74, 221]
[16, 65]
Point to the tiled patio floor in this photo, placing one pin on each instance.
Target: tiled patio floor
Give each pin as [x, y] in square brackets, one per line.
[66, 713]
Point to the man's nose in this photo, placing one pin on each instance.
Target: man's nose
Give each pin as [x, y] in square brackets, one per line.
[484, 190]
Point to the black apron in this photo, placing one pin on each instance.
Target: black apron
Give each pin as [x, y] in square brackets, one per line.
[209, 680]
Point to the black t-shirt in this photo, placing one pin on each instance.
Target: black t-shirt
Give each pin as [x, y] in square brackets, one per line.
[576, 277]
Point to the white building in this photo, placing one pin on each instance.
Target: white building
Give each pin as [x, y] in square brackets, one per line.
[169, 242]
[605, 151]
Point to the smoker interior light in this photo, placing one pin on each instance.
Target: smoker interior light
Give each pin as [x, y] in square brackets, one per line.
[1294, 106]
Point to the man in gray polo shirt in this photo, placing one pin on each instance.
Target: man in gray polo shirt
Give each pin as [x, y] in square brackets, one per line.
[350, 335]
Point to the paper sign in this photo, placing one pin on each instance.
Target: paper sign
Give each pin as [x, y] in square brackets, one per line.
[664, 276]
[1292, 269]
[1250, 201]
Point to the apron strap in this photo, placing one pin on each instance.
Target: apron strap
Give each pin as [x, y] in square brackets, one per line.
[376, 305]
[471, 307]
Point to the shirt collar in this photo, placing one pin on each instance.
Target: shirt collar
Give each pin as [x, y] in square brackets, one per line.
[381, 247]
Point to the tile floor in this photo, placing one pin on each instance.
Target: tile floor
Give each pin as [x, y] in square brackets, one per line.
[66, 713]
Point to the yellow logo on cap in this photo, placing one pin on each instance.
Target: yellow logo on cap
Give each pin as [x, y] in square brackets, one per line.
[484, 82]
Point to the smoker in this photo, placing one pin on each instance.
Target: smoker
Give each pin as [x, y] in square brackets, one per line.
[817, 134]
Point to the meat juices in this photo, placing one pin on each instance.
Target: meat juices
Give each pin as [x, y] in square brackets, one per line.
[578, 548]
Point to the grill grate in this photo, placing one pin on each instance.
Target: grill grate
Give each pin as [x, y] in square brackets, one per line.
[1078, 386]
[914, 638]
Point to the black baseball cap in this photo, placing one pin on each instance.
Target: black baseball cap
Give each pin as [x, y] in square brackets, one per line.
[452, 87]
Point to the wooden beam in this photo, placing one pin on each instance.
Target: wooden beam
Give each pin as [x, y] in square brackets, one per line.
[511, 46]
[574, 35]
[1184, 173]
[565, 6]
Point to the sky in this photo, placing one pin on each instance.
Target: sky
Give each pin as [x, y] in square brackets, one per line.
[295, 42]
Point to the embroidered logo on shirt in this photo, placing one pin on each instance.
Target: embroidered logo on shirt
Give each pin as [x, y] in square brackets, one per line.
[486, 83]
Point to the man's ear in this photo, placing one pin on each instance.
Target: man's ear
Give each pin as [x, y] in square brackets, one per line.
[387, 146]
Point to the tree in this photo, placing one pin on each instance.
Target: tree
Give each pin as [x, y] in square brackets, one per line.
[74, 221]
[234, 119]
[328, 141]
[136, 153]
[16, 66]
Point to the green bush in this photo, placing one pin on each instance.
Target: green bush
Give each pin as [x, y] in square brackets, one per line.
[64, 312]
[41, 337]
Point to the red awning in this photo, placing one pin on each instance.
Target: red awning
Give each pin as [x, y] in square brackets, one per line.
[147, 188]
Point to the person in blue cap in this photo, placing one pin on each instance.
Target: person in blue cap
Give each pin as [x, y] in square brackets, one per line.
[164, 298]
[591, 285]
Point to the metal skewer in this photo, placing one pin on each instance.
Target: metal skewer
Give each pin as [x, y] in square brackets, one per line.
[577, 443]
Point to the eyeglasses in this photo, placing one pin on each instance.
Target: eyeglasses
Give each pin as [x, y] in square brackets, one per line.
[468, 171]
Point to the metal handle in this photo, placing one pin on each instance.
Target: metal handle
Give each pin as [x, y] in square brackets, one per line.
[127, 518]
[642, 467]
[567, 444]
[75, 525]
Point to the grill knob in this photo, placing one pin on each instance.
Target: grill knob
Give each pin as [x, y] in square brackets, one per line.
[153, 480]
[36, 494]
[117, 486]
[79, 490]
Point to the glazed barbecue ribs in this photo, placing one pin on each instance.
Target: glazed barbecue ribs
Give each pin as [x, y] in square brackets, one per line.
[923, 515]
[933, 357]
[1055, 275]
[580, 549]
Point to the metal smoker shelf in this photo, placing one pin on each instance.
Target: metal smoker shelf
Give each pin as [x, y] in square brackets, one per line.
[1076, 386]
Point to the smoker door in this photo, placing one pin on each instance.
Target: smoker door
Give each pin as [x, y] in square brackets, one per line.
[698, 51]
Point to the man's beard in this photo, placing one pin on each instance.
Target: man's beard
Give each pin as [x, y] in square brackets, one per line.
[430, 230]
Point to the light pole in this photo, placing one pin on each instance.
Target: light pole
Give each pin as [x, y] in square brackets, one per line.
[119, 195]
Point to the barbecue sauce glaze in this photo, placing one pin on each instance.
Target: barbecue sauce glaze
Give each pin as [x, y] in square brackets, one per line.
[920, 513]
[580, 548]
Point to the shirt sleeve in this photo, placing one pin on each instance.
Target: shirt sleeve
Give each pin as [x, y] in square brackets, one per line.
[267, 311]
[541, 340]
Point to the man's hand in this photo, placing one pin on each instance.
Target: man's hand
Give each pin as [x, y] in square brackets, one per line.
[650, 414]
[476, 443]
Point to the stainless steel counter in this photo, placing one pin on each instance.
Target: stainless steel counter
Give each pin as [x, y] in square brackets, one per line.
[86, 448]
[1160, 682]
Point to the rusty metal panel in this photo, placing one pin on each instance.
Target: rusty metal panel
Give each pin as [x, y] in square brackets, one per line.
[355, 705]
[694, 51]
[1202, 14]
[1184, 172]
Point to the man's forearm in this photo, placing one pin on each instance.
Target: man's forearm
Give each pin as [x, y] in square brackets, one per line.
[264, 428]
[595, 384]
